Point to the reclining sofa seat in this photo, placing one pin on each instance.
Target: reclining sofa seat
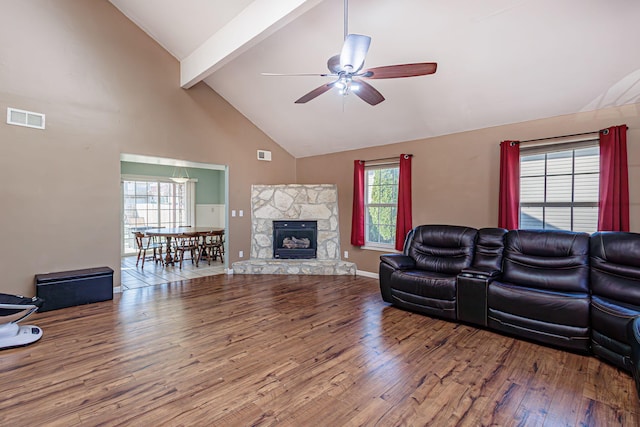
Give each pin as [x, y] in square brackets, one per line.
[543, 292]
[423, 278]
[615, 295]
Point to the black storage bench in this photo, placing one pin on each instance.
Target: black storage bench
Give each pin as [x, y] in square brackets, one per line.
[76, 287]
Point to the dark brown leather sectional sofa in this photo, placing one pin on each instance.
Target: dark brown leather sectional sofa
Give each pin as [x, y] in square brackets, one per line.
[571, 290]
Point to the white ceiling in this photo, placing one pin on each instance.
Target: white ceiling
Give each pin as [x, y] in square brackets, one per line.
[499, 62]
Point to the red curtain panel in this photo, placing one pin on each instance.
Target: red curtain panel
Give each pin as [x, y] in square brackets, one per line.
[509, 198]
[357, 214]
[613, 210]
[403, 221]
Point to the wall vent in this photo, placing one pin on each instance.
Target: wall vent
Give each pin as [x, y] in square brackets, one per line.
[264, 155]
[25, 118]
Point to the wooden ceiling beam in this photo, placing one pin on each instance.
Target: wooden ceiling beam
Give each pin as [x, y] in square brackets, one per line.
[255, 23]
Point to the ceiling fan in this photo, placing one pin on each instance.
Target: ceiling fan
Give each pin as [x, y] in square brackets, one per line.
[346, 69]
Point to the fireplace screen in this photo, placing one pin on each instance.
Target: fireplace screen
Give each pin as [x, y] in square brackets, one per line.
[295, 239]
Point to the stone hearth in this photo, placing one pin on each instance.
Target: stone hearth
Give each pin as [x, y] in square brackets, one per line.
[294, 202]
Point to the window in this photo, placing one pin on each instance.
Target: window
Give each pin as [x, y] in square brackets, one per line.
[152, 203]
[381, 205]
[559, 187]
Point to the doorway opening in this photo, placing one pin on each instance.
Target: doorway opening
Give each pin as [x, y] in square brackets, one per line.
[152, 197]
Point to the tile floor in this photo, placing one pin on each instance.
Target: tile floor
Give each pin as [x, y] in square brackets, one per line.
[155, 274]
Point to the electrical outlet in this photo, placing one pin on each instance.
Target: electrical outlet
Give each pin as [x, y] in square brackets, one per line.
[346, 254]
[241, 254]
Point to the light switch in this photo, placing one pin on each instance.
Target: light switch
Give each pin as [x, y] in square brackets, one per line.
[241, 213]
[233, 212]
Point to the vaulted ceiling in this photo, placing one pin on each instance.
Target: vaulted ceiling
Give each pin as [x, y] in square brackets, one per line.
[499, 62]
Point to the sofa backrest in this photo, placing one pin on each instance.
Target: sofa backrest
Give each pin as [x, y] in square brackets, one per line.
[615, 266]
[445, 249]
[547, 259]
[489, 249]
[407, 241]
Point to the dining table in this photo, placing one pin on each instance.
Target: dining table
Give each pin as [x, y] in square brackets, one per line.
[173, 232]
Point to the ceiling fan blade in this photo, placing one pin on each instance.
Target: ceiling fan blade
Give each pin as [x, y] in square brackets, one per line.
[315, 93]
[354, 52]
[333, 64]
[298, 74]
[402, 70]
[368, 93]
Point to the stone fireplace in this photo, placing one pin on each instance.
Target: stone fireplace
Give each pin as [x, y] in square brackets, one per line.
[294, 204]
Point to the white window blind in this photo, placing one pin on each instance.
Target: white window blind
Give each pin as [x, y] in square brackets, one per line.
[559, 187]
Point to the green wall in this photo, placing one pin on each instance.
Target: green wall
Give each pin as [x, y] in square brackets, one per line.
[209, 188]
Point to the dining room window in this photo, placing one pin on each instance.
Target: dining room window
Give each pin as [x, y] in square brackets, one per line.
[152, 203]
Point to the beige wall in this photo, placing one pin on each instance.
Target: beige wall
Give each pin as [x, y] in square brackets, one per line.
[106, 88]
[455, 177]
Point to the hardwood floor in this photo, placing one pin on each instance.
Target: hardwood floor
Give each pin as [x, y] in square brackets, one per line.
[293, 351]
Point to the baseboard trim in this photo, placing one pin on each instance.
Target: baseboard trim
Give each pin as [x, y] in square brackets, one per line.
[367, 274]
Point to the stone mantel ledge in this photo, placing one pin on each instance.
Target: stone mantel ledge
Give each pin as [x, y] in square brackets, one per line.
[295, 266]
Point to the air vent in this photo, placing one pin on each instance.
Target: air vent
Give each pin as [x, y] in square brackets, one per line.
[264, 155]
[25, 118]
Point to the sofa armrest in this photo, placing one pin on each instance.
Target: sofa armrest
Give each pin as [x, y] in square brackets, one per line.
[399, 261]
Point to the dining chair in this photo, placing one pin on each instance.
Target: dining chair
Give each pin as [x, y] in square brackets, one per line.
[186, 243]
[219, 247]
[146, 243]
[162, 242]
[212, 246]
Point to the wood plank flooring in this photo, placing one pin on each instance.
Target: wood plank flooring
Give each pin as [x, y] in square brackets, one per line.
[293, 351]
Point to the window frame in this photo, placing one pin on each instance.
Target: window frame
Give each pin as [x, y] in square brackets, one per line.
[189, 209]
[545, 150]
[378, 246]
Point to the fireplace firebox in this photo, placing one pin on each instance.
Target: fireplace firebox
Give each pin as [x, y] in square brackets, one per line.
[295, 239]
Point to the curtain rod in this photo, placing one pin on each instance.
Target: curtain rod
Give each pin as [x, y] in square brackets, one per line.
[606, 131]
[387, 158]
